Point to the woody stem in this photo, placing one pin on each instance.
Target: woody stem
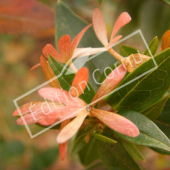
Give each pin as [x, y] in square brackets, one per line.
[115, 54]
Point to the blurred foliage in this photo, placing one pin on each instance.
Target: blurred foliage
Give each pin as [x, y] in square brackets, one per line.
[19, 52]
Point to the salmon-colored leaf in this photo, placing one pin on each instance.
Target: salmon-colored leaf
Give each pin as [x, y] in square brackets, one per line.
[63, 150]
[123, 19]
[61, 96]
[64, 46]
[80, 82]
[116, 122]
[111, 81]
[48, 72]
[63, 146]
[49, 49]
[100, 27]
[166, 40]
[114, 40]
[70, 130]
[44, 113]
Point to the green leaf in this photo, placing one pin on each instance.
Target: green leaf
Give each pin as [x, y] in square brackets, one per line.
[67, 22]
[79, 143]
[65, 80]
[165, 116]
[154, 111]
[150, 135]
[125, 50]
[115, 156]
[133, 151]
[160, 151]
[165, 127]
[145, 91]
[167, 1]
[163, 122]
[103, 138]
[88, 154]
[61, 69]
[152, 46]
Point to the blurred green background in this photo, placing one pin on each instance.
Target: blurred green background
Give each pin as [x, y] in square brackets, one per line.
[19, 51]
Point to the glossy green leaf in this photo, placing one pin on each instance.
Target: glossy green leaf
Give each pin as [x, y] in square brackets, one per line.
[163, 122]
[165, 116]
[150, 135]
[143, 92]
[160, 151]
[165, 128]
[152, 46]
[133, 151]
[65, 80]
[103, 138]
[115, 156]
[79, 143]
[125, 50]
[67, 22]
[88, 154]
[154, 111]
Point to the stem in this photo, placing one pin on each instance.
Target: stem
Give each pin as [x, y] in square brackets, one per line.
[115, 54]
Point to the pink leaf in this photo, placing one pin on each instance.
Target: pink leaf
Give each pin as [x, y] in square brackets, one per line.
[116, 122]
[123, 19]
[48, 117]
[100, 27]
[114, 40]
[45, 113]
[24, 109]
[61, 96]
